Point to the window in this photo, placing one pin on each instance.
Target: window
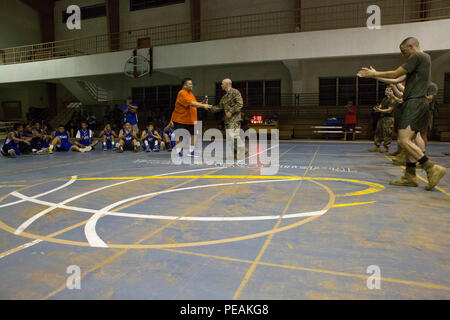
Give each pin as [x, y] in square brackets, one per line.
[255, 93]
[273, 93]
[367, 91]
[447, 88]
[346, 90]
[161, 97]
[327, 91]
[258, 93]
[89, 12]
[146, 4]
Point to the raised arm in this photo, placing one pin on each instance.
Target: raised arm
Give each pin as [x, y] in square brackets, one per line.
[372, 73]
[391, 81]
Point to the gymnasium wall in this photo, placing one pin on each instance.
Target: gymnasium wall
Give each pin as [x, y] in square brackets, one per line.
[31, 94]
[19, 24]
[89, 27]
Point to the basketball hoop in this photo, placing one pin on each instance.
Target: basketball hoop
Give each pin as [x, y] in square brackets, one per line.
[137, 67]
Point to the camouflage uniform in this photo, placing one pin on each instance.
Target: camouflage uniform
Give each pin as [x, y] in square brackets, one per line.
[431, 90]
[232, 102]
[385, 126]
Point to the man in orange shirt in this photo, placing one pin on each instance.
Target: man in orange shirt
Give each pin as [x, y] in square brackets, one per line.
[184, 115]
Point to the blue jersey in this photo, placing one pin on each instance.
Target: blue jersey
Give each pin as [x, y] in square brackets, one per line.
[150, 137]
[63, 136]
[85, 136]
[10, 142]
[107, 134]
[27, 134]
[43, 143]
[130, 117]
[170, 133]
[128, 137]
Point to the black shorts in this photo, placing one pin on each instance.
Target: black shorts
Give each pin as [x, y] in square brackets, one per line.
[349, 127]
[188, 127]
[128, 146]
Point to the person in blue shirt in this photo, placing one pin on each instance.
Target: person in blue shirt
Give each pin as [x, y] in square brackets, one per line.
[108, 135]
[130, 114]
[39, 137]
[61, 142]
[11, 146]
[151, 139]
[169, 136]
[27, 134]
[85, 137]
[128, 139]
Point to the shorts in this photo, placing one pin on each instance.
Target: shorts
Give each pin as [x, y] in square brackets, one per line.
[8, 147]
[151, 143]
[349, 127]
[415, 114]
[64, 147]
[128, 146]
[188, 127]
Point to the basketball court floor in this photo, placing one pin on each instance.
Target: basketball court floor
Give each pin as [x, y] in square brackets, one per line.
[139, 227]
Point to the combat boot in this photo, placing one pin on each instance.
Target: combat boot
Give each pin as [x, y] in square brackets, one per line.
[434, 174]
[409, 179]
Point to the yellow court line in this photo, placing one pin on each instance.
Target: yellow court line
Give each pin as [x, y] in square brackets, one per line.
[424, 180]
[12, 186]
[269, 238]
[123, 251]
[112, 258]
[428, 285]
[352, 204]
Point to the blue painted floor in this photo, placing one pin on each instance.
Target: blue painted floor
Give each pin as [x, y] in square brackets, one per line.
[137, 226]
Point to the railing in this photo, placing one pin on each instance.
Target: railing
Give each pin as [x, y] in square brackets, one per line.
[347, 15]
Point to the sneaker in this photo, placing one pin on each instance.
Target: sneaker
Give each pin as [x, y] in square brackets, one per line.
[34, 150]
[194, 155]
[87, 149]
[148, 149]
[12, 153]
[42, 151]
[120, 149]
[384, 150]
[374, 149]
[105, 147]
[136, 148]
[434, 175]
[156, 149]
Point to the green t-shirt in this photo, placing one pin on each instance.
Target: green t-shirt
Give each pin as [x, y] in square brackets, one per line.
[432, 90]
[385, 104]
[418, 66]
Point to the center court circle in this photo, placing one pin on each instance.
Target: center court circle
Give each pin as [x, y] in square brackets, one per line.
[97, 242]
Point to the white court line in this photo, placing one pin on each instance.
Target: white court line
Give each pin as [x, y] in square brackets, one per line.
[23, 246]
[54, 206]
[72, 180]
[34, 199]
[95, 241]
